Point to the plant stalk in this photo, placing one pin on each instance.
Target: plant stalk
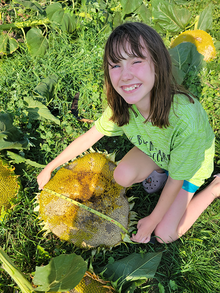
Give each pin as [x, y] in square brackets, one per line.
[23, 24]
[15, 274]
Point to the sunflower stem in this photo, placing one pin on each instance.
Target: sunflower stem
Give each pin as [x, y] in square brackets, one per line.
[23, 24]
[15, 274]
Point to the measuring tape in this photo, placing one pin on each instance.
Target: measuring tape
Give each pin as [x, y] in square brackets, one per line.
[87, 209]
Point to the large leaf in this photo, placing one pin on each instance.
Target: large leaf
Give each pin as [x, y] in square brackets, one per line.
[134, 268]
[205, 19]
[36, 42]
[31, 5]
[51, 9]
[63, 273]
[169, 16]
[46, 87]
[7, 44]
[144, 13]
[17, 159]
[10, 136]
[117, 19]
[57, 15]
[67, 21]
[130, 6]
[185, 57]
[38, 111]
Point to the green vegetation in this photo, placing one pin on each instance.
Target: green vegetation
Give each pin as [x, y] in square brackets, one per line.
[51, 52]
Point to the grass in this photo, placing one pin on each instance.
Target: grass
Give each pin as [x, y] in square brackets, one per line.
[190, 264]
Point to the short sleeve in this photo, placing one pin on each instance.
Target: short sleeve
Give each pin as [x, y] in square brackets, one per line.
[106, 126]
[186, 156]
[192, 137]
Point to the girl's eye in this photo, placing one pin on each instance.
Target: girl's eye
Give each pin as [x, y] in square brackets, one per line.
[114, 66]
[136, 62]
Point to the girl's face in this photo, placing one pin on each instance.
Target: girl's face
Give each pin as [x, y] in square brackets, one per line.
[133, 78]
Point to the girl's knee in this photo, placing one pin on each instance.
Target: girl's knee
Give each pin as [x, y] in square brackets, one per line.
[123, 175]
[215, 186]
[158, 232]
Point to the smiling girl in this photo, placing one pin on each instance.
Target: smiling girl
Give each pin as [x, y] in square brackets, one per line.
[173, 141]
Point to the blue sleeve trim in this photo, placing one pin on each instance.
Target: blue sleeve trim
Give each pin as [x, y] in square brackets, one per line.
[188, 186]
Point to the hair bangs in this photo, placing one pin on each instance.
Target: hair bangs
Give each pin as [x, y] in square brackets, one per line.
[124, 43]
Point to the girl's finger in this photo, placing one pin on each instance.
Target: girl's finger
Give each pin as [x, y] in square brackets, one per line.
[134, 238]
[146, 240]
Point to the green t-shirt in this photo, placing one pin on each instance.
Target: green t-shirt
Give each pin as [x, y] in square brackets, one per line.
[185, 148]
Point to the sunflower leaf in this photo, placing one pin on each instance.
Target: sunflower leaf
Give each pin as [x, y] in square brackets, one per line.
[63, 273]
[10, 136]
[38, 111]
[134, 268]
[185, 57]
[169, 16]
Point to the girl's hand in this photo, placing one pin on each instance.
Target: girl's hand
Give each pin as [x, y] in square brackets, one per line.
[43, 178]
[145, 228]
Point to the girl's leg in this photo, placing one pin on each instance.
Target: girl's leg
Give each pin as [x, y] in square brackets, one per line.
[134, 167]
[185, 210]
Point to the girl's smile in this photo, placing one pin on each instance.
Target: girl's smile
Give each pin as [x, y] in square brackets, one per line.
[131, 87]
[133, 78]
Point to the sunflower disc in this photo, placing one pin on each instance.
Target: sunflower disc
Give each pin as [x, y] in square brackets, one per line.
[89, 181]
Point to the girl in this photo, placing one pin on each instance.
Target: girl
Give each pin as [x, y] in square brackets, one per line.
[169, 129]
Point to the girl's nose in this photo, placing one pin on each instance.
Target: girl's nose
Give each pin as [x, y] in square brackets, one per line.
[126, 74]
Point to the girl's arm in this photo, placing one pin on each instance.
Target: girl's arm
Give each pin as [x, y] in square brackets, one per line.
[167, 197]
[148, 224]
[79, 145]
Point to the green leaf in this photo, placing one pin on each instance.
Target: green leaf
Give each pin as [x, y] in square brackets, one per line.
[51, 9]
[17, 159]
[130, 287]
[117, 19]
[38, 111]
[57, 15]
[144, 13]
[42, 251]
[36, 42]
[10, 136]
[135, 267]
[46, 87]
[7, 44]
[129, 6]
[173, 285]
[63, 273]
[161, 288]
[169, 16]
[31, 5]
[205, 19]
[185, 57]
[67, 22]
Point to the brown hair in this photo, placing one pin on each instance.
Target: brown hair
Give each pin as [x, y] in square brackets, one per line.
[165, 85]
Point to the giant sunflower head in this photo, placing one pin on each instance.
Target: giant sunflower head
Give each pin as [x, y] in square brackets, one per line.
[201, 39]
[91, 283]
[9, 186]
[88, 180]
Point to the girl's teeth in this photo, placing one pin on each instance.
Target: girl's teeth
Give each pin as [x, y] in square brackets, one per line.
[131, 88]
